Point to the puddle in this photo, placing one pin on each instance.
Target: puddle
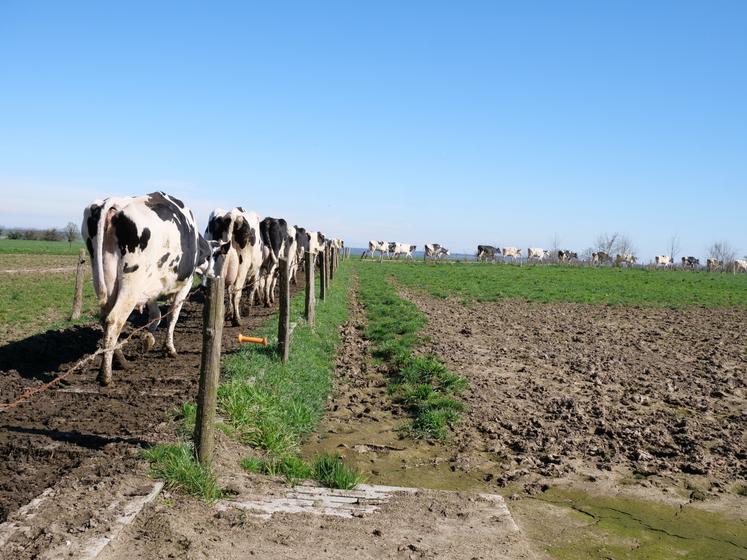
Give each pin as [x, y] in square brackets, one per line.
[376, 450]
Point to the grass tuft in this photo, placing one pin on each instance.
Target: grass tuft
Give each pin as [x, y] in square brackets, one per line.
[176, 465]
[331, 470]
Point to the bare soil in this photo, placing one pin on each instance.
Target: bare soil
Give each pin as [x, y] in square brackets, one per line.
[80, 430]
[559, 389]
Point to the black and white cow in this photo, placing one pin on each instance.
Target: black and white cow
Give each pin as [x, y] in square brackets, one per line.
[629, 259]
[376, 246]
[279, 244]
[690, 262]
[487, 252]
[240, 229]
[567, 256]
[400, 249]
[537, 254]
[513, 252]
[600, 257]
[141, 248]
[435, 251]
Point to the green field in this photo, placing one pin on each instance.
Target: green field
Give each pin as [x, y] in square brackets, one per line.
[22, 246]
[613, 286]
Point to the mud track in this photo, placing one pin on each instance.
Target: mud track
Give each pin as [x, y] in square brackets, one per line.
[83, 428]
[558, 389]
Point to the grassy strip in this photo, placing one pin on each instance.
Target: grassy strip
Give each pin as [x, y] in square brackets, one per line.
[272, 406]
[175, 463]
[32, 247]
[422, 384]
[328, 469]
[552, 283]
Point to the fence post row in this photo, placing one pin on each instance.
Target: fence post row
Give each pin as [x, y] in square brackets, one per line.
[331, 263]
[309, 311]
[212, 336]
[78, 297]
[284, 312]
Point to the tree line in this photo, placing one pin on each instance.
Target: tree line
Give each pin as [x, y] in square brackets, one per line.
[69, 233]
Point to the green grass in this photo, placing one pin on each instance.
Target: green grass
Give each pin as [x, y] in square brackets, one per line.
[33, 302]
[329, 470]
[175, 464]
[603, 285]
[421, 384]
[332, 471]
[272, 406]
[16, 246]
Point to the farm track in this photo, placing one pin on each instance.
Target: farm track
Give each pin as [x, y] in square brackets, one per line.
[83, 428]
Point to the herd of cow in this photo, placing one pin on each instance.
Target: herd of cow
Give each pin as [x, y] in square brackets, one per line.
[148, 246]
[537, 254]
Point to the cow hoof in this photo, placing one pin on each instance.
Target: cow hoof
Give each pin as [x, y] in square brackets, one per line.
[150, 341]
[235, 322]
[103, 379]
[171, 352]
[120, 361]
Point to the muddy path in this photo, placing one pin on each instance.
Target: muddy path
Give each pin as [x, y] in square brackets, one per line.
[82, 427]
[559, 389]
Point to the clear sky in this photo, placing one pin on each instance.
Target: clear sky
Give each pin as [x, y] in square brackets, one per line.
[451, 122]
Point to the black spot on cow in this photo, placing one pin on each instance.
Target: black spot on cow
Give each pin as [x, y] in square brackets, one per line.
[93, 220]
[203, 252]
[240, 209]
[167, 209]
[127, 269]
[218, 226]
[163, 259]
[127, 236]
[89, 246]
[302, 238]
[242, 232]
[241, 259]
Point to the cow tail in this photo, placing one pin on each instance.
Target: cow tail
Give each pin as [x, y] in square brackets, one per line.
[102, 291]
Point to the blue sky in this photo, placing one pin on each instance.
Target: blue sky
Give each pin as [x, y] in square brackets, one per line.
[451, 122]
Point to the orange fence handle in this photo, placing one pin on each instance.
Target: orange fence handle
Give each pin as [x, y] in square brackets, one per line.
[253, 339]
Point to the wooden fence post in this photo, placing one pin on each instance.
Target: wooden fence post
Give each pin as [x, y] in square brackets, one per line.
[207, 393]
[78, 297]
[323, 274]
[284, 313]
[331, 263]
[309, 311]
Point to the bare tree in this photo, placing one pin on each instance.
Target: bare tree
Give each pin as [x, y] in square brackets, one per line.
[71, 232]
[606, 242]
[722, 251]
[674, 247]
[624, 245]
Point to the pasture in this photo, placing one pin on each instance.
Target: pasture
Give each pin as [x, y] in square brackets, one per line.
[603, 403]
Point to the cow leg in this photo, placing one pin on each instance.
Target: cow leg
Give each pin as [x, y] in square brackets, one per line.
[154, 318]
[176, 308]
[234, 298]
[115, 320]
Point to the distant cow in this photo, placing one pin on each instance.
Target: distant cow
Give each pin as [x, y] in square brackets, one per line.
[536, 253]
[279, 244]
[435, 251]
[487, 252]
[663, 260]
[690, 262]
[713, 264]
[377, 246]
[399, 249]
[141, 248]
[513, 252]
[628, 259]
[241, 230]
[600, 257]
[567, 256]
[740, 265]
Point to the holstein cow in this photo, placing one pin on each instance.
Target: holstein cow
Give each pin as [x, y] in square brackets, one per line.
[487, 252]
[628, 258]
[600, 257]
[713, 264]
[278, 243]
[512, 252]
[537, 253]
[374, 246]
[141, 248]
[435, 251]
[398, 249]
[690, 262]
[740, 265]
[240, 229]
[306, 242]
[663, 260]
[567, 256]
